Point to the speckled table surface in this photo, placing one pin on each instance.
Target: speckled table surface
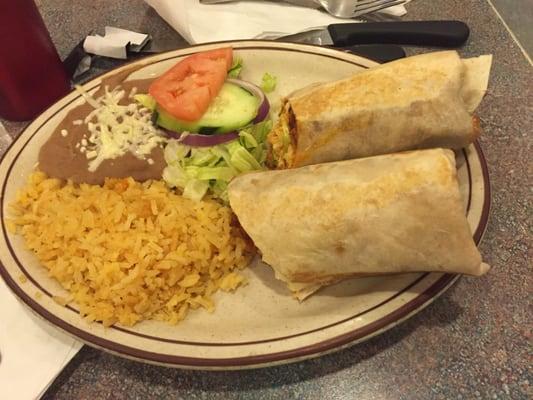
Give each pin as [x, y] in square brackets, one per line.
[474, 342]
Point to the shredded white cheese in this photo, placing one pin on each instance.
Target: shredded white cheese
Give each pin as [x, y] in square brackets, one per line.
[114, 129]
[91, 154]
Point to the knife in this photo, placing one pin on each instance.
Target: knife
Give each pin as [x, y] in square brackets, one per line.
[381, 53]
[417, 33]
[378, 52]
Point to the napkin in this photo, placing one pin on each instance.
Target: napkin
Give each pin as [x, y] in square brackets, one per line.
[200, 23]
[32, 352]
[113, 43]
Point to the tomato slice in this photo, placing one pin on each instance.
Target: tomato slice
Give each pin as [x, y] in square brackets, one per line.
[225, 53]
[186, 90]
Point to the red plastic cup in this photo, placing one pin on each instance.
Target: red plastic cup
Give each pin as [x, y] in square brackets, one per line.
[32, 76]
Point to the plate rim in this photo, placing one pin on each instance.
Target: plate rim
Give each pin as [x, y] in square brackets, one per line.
[329, 345]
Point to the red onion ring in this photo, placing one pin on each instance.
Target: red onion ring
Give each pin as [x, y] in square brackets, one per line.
[197, 140]
[264, 105]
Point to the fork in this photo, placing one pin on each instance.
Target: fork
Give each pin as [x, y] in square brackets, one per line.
[301, 3]
[337, 8]
[356, 8]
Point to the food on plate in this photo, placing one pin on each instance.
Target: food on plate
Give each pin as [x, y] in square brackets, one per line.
[203, 155]
[128, 208]
[101, 212]
[186, 90]
[209, 169]
[418, 102]
[193, 127]
[129, 251]
[268, 82]
[396, 213]
[196, 96]
[110, 136]
[233, 108]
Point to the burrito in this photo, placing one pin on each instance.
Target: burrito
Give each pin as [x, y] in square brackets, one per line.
[319, 224]
[420, 102]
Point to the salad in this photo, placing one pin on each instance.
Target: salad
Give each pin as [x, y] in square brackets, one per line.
[216, 123]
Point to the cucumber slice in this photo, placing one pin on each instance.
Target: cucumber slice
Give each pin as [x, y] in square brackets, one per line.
[233, 108]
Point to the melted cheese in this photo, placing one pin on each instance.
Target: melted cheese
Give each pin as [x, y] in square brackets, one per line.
[114, 129]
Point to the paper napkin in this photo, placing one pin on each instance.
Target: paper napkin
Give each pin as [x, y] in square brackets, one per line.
[200, 23]
[33, 353]
[113, 43]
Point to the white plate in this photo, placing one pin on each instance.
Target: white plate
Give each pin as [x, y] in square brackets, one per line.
[260, 324]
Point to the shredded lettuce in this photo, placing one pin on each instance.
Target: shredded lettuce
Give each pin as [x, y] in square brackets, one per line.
[201, 170]
[268, 83]
[145, 100]
[236, 68]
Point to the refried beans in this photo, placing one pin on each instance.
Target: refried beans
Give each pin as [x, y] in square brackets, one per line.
[60, 158]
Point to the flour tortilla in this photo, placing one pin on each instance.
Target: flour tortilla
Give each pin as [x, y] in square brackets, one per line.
[387, 214]
[419, 102]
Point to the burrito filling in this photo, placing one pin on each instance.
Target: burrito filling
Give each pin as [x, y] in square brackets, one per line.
[282, 139]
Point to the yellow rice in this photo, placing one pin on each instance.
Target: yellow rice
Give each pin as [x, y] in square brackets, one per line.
[129, 251]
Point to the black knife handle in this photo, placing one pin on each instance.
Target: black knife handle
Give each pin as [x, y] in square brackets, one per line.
[418, 33]
[381, 53]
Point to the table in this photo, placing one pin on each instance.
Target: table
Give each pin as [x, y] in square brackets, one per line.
[473, 342]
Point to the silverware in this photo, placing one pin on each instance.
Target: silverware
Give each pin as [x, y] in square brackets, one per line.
[356, 8]
[377, 52]
[337, 8]
[301, 3]
[418, 33]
